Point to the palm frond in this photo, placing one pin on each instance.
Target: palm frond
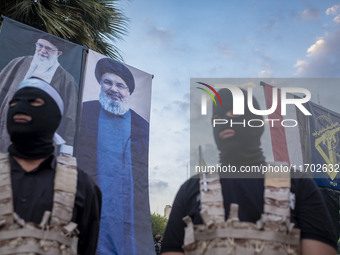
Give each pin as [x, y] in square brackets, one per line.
[98, 24]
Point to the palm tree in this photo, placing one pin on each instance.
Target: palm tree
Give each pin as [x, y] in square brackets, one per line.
[98, 24]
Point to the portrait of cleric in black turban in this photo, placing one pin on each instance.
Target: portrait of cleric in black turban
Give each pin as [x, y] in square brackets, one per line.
[32, 53]
[112, 147]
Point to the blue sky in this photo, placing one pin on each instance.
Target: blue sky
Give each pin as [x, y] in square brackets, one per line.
[178, 40]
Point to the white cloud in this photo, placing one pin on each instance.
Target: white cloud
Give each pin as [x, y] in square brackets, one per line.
[322, 58]
[337, 18]
[311, 13]
[265, 73]
[333, 10]
[317, 48]
[300, 65]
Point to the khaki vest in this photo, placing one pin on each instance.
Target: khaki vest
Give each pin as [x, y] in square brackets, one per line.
[272, 234]
[56, 234]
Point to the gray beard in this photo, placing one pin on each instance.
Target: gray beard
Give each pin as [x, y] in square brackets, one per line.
[112, 106]
[47, 62]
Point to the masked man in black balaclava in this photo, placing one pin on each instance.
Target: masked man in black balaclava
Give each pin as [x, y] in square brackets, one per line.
[238, 143]
[32, 119]
[239, 146]
[40, 184]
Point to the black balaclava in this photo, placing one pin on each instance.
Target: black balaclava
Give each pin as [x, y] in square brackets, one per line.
[34, 139]
[244, 147]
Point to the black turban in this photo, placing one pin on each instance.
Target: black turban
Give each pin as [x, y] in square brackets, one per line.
[108, 65]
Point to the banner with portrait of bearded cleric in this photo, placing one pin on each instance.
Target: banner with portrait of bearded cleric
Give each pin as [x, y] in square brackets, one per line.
[112, 147]
[28, 52]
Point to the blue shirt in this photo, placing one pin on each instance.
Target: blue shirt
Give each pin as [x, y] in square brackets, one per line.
[115, 180]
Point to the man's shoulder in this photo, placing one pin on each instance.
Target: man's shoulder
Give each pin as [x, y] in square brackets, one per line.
[23, 58]
[83, 177]
[85, 181]
[20, 60]
[62, 76]
[63, 71]
[190, 187]
[91, 104]
[135, 117]
[91, 107]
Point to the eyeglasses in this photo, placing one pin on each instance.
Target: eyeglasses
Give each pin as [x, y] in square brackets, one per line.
[47, 48]
[108, 84]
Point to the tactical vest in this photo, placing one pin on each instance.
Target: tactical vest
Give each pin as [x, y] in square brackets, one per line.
[56, 234]
[272, 234]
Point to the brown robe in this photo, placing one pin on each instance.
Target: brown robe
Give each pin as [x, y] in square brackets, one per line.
[13, 73]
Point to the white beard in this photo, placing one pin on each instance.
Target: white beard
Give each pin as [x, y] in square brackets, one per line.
[42, 67]
[113, 106]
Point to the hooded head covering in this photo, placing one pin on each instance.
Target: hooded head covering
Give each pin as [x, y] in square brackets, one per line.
[34, 139]
[108, 65]
[244, 146]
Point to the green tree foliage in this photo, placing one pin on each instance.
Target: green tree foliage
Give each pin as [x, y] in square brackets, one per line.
[98, 24]
[158, 224]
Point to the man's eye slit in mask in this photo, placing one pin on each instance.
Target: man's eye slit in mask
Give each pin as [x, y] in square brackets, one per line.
[37, 102]
[13, 102]
[34, 102]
